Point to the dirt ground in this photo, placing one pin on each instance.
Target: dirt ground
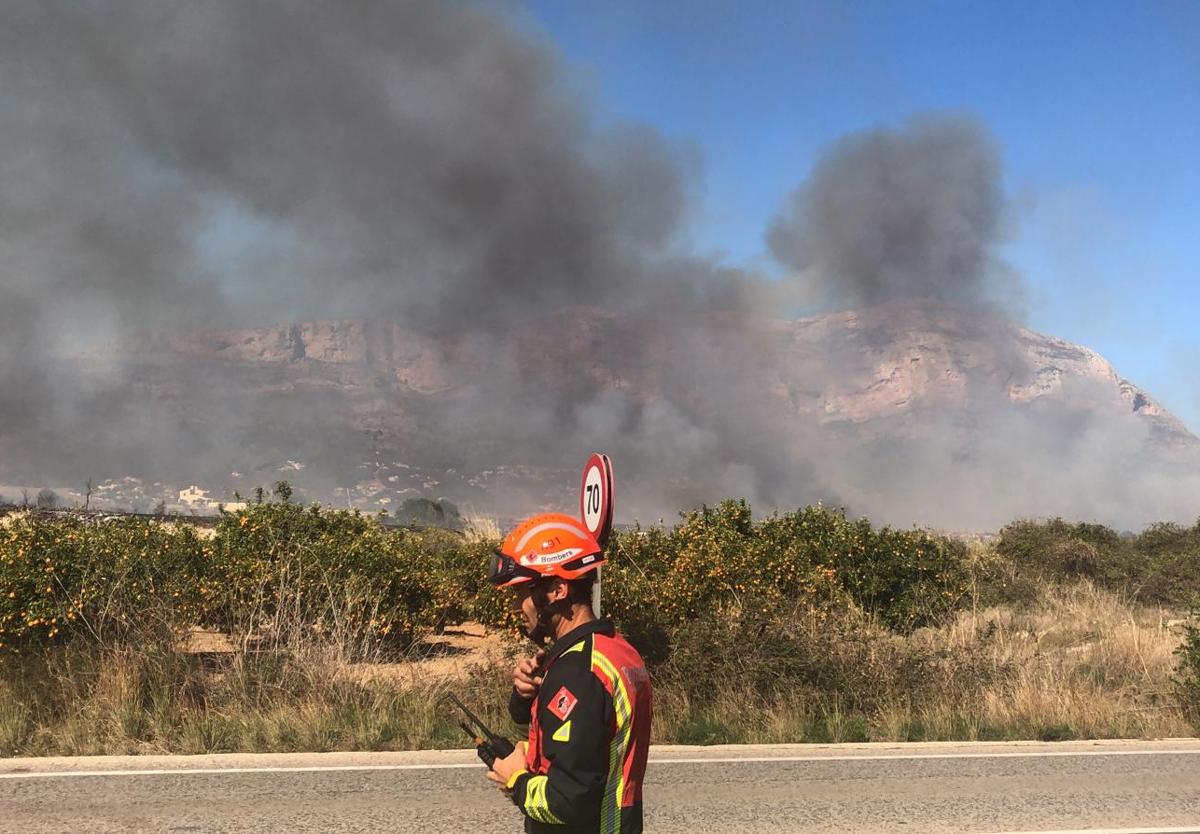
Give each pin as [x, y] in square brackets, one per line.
[451, 655]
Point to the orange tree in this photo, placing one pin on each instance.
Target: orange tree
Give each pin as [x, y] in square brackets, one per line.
[66, 576]
[277, 571]
[718, 560]
[283, 570]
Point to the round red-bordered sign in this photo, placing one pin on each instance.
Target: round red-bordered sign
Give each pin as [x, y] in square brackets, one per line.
[596, 497]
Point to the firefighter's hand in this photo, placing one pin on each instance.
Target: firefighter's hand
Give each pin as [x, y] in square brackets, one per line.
[526, 679]
[503, 769]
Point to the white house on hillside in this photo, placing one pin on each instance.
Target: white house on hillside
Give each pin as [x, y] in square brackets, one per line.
[195, 497]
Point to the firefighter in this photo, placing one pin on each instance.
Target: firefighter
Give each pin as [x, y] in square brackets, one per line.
[586, 697]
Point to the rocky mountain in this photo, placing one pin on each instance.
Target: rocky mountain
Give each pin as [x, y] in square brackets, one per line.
[880, 363]
[912, 411]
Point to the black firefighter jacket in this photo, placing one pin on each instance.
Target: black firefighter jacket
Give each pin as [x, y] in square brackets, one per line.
[589, 731]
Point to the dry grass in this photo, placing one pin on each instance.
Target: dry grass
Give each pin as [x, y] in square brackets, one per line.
[478, 527]
[273, 685]
[123, 701]
[1082, 661]
[1078, 663]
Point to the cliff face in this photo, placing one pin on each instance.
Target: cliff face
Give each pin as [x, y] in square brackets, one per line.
[415, 362]
[909, 411]
[908, 356]
[877, 363]
[851, 367]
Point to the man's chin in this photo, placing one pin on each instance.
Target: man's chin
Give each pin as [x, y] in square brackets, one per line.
[537, 634]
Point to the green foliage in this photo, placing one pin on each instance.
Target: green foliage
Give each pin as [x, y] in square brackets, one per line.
[808, 616]
[908, 578]
[718, 560]
[271, 572]
[276, 569]
[1161, 566]
[1049, 547]
[61, 577]
[1187, 671]
[278, 565]
[1167, 562]
[334, 572]
[835, 658]
[485, 603]
[427, 513]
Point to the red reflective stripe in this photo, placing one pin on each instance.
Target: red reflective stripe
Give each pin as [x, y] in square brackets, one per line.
[534, 762]
[632, 671]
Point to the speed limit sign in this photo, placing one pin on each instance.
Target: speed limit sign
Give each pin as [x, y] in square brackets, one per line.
[596, 497]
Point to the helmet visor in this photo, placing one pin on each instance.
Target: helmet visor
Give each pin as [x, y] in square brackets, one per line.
[504, 570]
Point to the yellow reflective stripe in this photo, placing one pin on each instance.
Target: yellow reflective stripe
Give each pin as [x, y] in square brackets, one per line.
[614, 790]
[512, 780]
[537, 805]
[578, 647]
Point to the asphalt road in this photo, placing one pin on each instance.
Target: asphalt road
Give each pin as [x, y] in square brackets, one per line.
[1026, 787]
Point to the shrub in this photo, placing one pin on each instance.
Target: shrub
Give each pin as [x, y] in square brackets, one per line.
[1057, 548]
[1168, 562]
[63, 577]
[271, 573]
[717, 559]
[1161, 566]
[426, 513]
[1187, 675]
[284, 571]
[836, 659]
[908, 578]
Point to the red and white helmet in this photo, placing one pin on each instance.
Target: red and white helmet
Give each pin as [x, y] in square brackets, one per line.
[546, 545]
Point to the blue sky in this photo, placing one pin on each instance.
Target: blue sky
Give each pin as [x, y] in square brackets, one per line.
[1095, 107]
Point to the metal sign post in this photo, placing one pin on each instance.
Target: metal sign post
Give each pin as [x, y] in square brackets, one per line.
[596, 508]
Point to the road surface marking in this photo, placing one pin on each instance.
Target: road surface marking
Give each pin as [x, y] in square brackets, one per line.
[211, 771]
[1188, 830]
[908, 756]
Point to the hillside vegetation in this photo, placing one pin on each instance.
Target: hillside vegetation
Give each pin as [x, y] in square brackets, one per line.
[805, 626]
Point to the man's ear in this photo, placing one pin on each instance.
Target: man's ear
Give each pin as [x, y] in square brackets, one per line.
[558, 590]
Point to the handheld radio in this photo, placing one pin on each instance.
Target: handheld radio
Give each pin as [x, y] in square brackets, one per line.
[488, 745]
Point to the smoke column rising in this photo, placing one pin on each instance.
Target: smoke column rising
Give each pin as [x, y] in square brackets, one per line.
[909, 213]
[423, 159]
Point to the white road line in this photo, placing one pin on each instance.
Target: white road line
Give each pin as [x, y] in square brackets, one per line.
[1189, 830]
[211, 771]
[1049, 754]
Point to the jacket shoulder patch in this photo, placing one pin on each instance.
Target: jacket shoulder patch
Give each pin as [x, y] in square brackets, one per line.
[562, 703]
[563, 733]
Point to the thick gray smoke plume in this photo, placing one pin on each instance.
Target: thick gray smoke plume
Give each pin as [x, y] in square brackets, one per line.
[180, 166]
[176, 166]
[170, 169]
[887, 214]
[407, 158]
